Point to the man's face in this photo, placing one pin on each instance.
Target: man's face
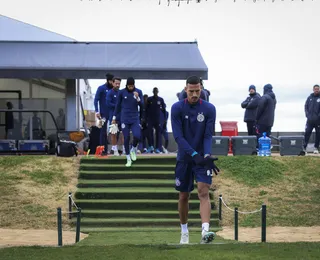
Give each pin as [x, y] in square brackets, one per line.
[155, 91]
[193, 92]
[116, 84]
[316, 90]
[252, 91]
[130, 87]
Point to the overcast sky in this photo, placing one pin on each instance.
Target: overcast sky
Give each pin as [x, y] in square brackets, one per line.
[242, 43]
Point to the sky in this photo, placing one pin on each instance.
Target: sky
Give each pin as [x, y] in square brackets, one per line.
[242, 43]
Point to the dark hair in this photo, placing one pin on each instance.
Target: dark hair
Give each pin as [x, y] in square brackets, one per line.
[193, 80]
[130, 81]
[316, 86]
[145, 95]
[109, 76]
[114, 79]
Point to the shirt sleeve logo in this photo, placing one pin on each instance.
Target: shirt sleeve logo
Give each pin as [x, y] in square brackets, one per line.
[200, 117]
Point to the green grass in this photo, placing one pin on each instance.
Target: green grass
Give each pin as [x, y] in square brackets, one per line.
[32, 187]
[289, 186]
[168, 252]
[252, 171]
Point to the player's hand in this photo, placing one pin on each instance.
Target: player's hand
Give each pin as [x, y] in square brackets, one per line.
[210, 165]
[199, 160]
[136, 94]
[98, 115]
[113, 122]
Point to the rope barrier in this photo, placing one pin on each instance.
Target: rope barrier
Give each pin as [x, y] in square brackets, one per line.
[241, 212]
[73, 203]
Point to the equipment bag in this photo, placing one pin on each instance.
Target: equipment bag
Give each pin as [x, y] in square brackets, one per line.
[67, 149]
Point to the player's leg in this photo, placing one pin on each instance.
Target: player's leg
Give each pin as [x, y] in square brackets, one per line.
[184, 184]
[103, 135]
[317, 141]
[136, 132]
[166, 140]
[150, 137]
[158, 138]
[114, 144]
[126, 136]
[204, 180]
[307, 134]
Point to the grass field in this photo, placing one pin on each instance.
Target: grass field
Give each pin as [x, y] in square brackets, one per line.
[32, 187]
[168, 252]
[289, 186]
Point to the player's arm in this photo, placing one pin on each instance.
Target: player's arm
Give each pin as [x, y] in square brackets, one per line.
[117, 107]
[177, 130]
[209, 130]
[96, 100]
[142, 105]
[261, 107]
[164, 111]
[111, 101]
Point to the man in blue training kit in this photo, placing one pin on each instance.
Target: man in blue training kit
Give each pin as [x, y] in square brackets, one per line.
[154, 107]
[112, 97]
[101, 108]
[193, 121]
[129, 101]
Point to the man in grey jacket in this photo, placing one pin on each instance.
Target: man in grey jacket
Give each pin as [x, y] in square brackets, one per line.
[250, 105]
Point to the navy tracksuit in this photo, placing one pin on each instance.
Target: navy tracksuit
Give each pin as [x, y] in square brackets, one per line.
[130, 115]
[265, 111]
[112, 97]
[251, 105]
[164, 131]
[193, 128]
[312, 111]
[100, 105]
[155, 106]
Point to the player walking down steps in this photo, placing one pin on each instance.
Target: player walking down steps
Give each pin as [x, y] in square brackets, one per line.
[193, 121]
[129, 101]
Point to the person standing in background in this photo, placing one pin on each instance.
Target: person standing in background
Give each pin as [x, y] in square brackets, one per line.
[9, 121]
[250, 105]
[101, 108]
[312, 111]
[265, 111]
[155, 106]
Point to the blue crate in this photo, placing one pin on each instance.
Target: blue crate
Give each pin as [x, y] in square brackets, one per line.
[33, 145]
[8, 145]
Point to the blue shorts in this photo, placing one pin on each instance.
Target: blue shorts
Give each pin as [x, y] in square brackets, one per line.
[186, 172]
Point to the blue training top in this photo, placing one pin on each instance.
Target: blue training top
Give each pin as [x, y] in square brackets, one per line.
[128, 105]
[193, 128]
[112, 97]
[101, 98]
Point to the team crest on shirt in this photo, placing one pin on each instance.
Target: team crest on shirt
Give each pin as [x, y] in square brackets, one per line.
[125, 97]
[178, 183]
[318, 100]
[200, 117]
[123, 126]
[159, 102]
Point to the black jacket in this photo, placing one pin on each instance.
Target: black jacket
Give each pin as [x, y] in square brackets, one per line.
[266, 108]
[251, 105]
[312, 109]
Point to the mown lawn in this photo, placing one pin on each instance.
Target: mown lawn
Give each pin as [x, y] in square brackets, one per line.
[168, 252]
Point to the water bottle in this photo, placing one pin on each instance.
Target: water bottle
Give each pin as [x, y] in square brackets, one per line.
[264, 145]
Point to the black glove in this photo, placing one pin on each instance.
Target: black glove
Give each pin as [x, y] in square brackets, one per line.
[209, 164]
[199, 160]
